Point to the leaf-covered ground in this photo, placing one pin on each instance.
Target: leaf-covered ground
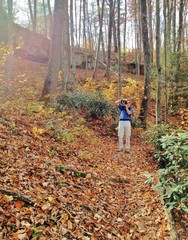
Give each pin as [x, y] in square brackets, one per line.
[62, 178]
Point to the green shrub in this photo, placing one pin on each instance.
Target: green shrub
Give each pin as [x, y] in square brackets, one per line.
[153, 135]
[174, 177]
[171, 152]
[95, 106]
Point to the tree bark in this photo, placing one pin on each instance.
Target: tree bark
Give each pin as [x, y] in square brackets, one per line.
[125, 27]
[114, 29]
[150, 10]
[45, 20]
[50, 16]
[50, 84]
[180, 29]
[99, 38]
[147, 64]
[76, 23]
[137, 53]
[109, 37]
[165, 61]
[125, 31]
[35, 16]
[66, 52]
[119, 53]
[73, 77]
[33, 13]
[80, 23]
[158, 44]
[10, 60]
[174, 26]
[179, 48]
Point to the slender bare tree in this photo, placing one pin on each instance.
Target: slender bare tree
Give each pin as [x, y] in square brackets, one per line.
[119, 51]
[150, 11]
[100, 14]
[73, 77]
[33, 13]
[109, 38]
[158, 64]
[114, 28]
[125, 29]
[174, 26]
[10, 62]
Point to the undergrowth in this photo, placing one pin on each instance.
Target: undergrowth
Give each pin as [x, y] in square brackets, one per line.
[171, 152]
[96, 107]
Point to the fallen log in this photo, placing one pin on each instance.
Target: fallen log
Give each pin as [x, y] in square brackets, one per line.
[17, 196]
[63, 169]
[119, 180]
[72, 185]
[105, 67]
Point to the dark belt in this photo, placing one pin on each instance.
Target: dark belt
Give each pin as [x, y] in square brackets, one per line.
[125, 120]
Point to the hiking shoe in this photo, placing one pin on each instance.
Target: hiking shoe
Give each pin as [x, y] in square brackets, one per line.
[127, 150]
[120, 150]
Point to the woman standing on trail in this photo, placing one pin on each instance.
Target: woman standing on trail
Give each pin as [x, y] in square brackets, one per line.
[124, 127]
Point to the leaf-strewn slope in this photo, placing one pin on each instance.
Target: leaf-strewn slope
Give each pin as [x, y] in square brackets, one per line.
[61, 177]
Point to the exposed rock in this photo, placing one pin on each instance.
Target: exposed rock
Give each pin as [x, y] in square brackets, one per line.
[32, 45]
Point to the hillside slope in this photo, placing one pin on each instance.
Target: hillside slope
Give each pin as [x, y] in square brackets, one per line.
[61, 177]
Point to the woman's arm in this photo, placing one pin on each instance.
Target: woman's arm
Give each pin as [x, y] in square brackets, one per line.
[118, 102]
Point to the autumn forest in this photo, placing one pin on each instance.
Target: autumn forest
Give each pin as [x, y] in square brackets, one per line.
[64, 65]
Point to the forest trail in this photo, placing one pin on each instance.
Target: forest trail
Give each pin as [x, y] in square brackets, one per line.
[111, 201]
[62, 177]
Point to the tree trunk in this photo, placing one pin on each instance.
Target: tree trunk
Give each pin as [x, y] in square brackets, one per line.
[10, 61]
[45, 20]
[66, 52]
[137, 55]
[33, 13]
[150, 11]
[80, 23]
[35, 16]
[180, 29]
[50, 84]
[99, 38]
[158, 44]
[109, 37]
[88, 29]
[168, 30]
[50, 16]
[119, 53]
[114, 29]
[84, 24]
[179, 48]
[147, 64]
[165, 62]
[76, 22]
[73, 78]
[174, 26]
[125, 28]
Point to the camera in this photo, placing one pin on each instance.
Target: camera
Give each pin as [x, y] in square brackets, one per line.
[123, 101]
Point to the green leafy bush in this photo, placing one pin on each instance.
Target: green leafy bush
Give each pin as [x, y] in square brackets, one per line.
[174, 177]
[154, 134]
[96, 106]
[171, 152]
